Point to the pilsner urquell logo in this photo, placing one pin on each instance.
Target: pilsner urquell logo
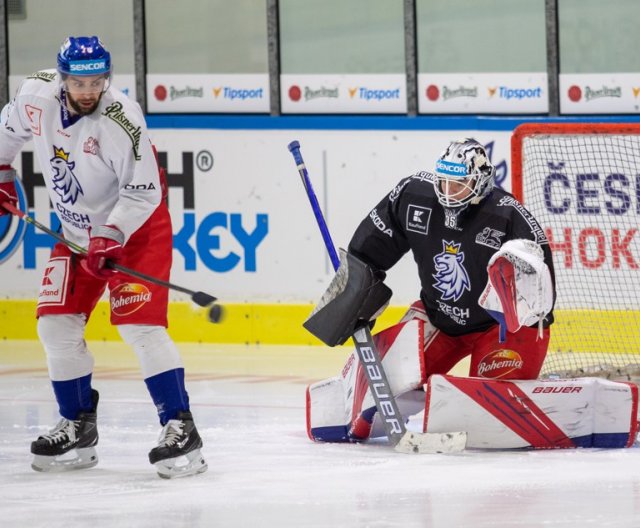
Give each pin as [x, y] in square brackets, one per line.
[116, 113]
[129, 297]
[499, 363]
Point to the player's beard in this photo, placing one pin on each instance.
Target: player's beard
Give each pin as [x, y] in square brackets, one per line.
[82, 109]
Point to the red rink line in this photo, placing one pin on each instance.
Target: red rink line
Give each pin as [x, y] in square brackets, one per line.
[105, 373]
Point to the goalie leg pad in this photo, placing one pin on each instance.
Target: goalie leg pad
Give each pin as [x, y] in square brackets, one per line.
[327, 417]
[542, 414]
[342, 409]
[355, 294]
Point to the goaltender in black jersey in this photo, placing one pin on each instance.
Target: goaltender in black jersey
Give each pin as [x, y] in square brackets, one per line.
[451, 246]
[486, 288]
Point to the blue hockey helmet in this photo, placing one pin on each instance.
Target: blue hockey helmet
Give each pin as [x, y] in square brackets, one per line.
[83, 56]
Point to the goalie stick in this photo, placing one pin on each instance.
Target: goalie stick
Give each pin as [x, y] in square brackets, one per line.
[394, 425]
[205, 300]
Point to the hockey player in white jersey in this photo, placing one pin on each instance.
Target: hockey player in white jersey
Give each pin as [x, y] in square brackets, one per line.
[106, 187]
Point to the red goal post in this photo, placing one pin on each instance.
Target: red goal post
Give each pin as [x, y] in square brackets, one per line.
[582, 183]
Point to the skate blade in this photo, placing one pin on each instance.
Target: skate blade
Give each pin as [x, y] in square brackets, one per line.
[171, 467]
[432, 443]
[83, 458]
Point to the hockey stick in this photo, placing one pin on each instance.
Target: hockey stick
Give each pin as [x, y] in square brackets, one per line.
[200, 298]
[394, 425]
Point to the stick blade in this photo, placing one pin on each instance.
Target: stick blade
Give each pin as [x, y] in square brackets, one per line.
[203, 299]
[432, 443]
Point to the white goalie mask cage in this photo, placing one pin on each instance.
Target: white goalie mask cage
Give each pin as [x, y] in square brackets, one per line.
[463, 174]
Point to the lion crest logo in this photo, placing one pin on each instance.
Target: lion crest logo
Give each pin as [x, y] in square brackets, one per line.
[64, 180]
[451, 277]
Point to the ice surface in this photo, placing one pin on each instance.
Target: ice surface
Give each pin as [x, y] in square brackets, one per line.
[248, 403]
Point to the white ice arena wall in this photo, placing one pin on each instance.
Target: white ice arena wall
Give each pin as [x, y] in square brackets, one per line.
[243, 228]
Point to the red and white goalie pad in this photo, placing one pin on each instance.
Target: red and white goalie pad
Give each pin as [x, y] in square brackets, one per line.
[519, 291]
[543, 414]
[342, 409]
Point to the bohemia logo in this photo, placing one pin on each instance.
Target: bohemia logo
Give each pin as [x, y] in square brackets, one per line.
[499, 364]
[129, 297]
[65, 182]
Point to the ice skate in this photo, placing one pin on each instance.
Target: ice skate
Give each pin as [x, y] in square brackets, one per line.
[178, 451]
[69, 445]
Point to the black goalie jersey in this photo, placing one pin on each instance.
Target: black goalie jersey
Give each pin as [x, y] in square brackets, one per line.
[451, 249]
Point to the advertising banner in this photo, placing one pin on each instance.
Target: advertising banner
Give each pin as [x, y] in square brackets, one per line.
[336, 94]
[604, 93]
[492, 93]
[200, 93]
[243, 227]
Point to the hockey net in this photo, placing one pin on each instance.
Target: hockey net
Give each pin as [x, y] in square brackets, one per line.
[582, 183]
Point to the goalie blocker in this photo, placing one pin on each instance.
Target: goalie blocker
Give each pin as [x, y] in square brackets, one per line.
[355, 294]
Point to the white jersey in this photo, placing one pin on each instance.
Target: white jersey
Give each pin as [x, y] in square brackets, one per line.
[100, 170]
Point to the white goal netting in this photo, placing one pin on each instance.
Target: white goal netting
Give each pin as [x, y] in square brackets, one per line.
[582, 183]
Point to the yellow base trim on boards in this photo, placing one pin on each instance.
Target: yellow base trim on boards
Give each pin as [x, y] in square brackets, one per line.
[242, 323]
[589, 331]
[594, 331]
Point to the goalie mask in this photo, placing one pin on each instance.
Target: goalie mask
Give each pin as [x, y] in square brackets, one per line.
[464, 175]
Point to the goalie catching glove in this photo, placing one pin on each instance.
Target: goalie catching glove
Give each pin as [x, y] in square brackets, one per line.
[355, 296]
[519, 291]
